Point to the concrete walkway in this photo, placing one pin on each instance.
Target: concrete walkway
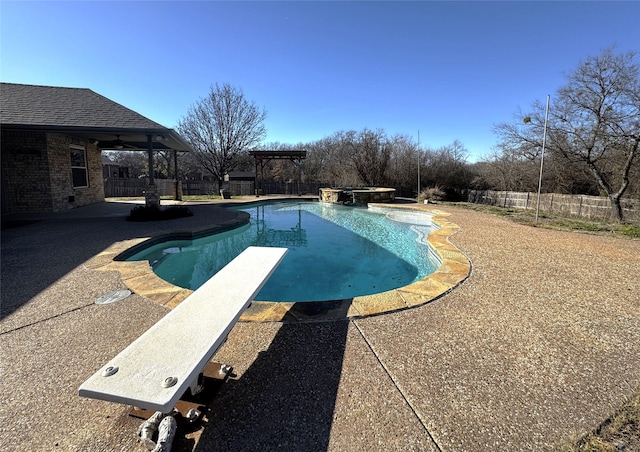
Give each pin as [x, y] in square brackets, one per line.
[539, 344]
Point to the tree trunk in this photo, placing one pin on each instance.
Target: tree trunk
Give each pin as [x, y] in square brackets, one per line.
[616, 208]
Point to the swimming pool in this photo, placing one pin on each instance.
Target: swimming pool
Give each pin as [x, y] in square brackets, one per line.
[335, 252]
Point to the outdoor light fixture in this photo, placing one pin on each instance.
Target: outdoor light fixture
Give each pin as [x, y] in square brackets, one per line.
[118, 144]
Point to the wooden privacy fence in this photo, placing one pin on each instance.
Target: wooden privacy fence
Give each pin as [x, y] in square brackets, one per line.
[583, 206]
[123, 188]
[200, 188]
[248, 188]
[129, 188]
[291, 188]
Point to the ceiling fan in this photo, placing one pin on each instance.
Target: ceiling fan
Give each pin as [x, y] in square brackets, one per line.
[118, 144]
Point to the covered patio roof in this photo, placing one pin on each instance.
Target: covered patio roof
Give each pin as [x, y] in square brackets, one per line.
[87, 115]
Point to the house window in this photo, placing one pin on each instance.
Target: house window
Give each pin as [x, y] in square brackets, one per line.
[79, 171]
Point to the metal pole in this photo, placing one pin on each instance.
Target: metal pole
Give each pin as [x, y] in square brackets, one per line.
[418, 193]
[544, 141]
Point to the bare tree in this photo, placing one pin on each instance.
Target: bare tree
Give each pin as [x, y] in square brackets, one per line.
[447, 168]
[221, 126]
[402, 170]
[370, 155]
[317, 161]
[594, 123]
[505, 170]
[328, 160]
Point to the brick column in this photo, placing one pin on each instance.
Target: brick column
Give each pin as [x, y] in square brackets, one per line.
[152, 196]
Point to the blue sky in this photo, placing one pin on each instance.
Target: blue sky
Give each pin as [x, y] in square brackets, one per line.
[451, 70]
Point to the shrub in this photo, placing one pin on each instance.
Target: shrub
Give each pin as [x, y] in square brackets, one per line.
[431, 194]
[157, 213]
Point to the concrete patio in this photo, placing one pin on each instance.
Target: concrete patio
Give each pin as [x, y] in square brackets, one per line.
[538, 345]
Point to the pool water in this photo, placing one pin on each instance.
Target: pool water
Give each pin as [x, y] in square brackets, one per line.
[335, 252]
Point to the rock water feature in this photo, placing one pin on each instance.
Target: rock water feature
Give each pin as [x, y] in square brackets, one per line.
[357, 196]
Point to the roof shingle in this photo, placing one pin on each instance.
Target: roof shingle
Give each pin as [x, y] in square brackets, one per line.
[33, 105]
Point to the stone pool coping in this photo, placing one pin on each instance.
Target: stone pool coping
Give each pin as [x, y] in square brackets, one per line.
[455, 267]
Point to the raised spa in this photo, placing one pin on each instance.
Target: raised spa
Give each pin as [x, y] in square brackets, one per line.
[357, 196]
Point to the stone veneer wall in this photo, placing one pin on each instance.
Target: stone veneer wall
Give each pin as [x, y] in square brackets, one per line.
[360, 196]
[374, 195]
[329, 195]
[36, 172]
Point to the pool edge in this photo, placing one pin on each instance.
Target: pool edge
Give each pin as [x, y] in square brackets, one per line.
[455, 267]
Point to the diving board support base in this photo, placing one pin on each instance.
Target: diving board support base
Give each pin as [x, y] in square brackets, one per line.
[211, 379]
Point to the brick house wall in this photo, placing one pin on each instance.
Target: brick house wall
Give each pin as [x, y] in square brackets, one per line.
[63, 194]
[25, 172]
[36, 172]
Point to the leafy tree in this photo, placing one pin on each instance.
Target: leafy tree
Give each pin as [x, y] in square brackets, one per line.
[136, 162]
[163, 164]
[221, 126]
[594, 123]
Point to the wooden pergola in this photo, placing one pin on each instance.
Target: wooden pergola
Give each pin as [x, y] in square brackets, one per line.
[264, 157]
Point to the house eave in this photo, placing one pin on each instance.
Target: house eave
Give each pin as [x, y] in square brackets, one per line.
[132, 138]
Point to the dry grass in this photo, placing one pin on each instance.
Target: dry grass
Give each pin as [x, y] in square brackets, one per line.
[620, 432]
[553, 221]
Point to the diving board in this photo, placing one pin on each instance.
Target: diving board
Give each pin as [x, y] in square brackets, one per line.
[155, 370]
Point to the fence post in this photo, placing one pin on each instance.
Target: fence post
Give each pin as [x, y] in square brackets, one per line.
[580, 207]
